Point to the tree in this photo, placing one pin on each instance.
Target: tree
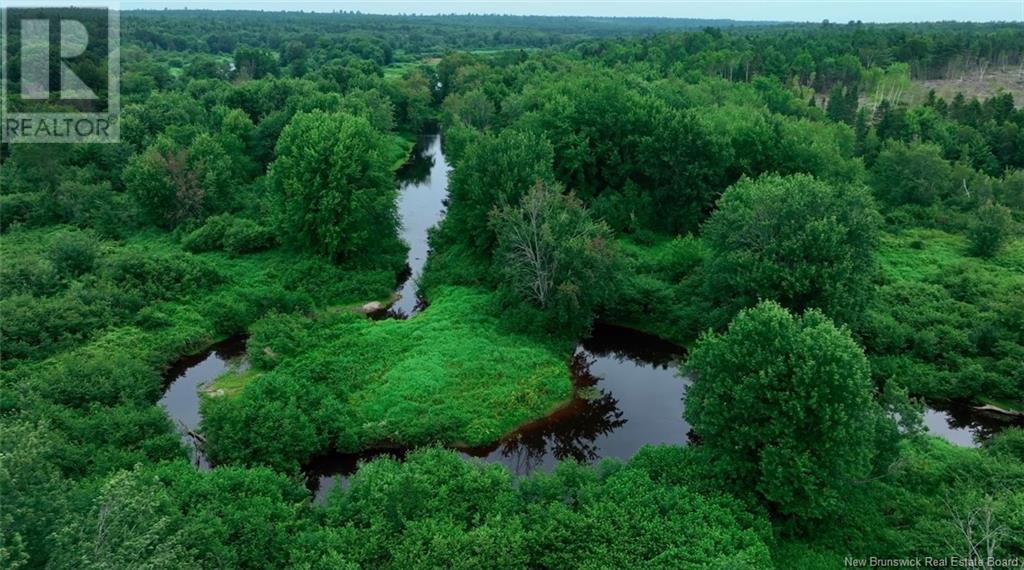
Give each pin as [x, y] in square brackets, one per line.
[472, 108]
[497, 171]
[554, 256]
[175, 185]
[335, 191]
[412, 96]
[800, 241]
[133, 523]
[32, 491]
[842, 104]
[255, 63]
[990, 229]
[910, 174]
[784, 406]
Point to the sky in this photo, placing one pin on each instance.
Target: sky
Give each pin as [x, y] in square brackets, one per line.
[779, 10]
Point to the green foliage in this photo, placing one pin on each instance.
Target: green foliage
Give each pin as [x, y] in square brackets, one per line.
[911, 174]
[990, 230]
[1009, 443]
[334, 186]
[175, 185]
[131, 523]
[33, 491]
[472, 109]
[554, 257]
[74, 253]
[436, 510]
[799, 241]
[660, 288]
[236, 518]
[496, 172]
[229, 233]
[276, 337]
[784, 406]
[943, 324]
[452, 374]
[647, 122]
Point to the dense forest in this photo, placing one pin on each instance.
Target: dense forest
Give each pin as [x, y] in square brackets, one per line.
[821, 222]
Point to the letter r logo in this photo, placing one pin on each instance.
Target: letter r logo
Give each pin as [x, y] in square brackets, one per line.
[35, 59]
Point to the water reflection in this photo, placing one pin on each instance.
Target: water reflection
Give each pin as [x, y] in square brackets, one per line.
[628, 394]
[961, 424]
[186, 377]
[572, 432]
[423, 185]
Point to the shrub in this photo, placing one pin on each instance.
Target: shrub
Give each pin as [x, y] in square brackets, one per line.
[73, 253]
[209, 236]
[276, 336]
[246, 236]
[990, 230]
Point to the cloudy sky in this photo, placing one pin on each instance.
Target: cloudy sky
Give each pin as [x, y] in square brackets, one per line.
[788, 10]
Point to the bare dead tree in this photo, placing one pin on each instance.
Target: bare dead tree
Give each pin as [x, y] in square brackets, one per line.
[977, 535]
[536, 263]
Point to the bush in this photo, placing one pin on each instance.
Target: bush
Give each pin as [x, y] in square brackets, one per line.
[990, 230]
[158, 276]
[73, 253]
[77, 380]
[276, 336]
[209, 236]
[25, 208]
[1008, 443]
[246, 236]
[228, 233]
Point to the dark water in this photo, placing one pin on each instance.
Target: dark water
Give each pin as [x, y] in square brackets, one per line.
[628, 391]
[960, 424]
[423, 186]
[186, 377]
[423, 183]
[628, 394]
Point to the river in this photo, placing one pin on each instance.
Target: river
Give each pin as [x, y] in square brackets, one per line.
[628, 393]
[423, 186]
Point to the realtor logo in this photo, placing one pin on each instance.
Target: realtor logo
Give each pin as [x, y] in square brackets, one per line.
[61, 72]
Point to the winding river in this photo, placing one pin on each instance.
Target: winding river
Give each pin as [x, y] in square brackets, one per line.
[183, 381]
[628, 393]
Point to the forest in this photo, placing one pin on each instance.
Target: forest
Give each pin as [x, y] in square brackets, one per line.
[360, 291]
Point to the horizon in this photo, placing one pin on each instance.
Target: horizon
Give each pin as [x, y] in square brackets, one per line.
[786, 11]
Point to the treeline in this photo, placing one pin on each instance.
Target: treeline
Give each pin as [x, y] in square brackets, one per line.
[224, 31]
[826, 54]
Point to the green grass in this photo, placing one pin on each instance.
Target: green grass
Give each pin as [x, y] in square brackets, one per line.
[452, 374]
[399, 148]
[397, 70]
[918, 254]
[232, 382]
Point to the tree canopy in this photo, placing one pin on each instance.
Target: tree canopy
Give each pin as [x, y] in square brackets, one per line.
[336, 193]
